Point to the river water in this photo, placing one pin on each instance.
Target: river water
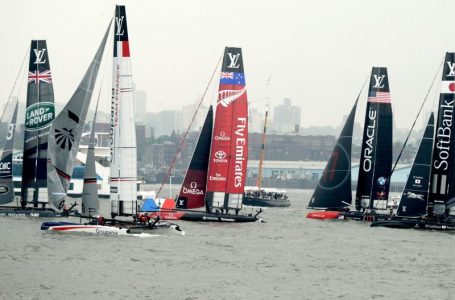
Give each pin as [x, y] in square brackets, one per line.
[289, 257]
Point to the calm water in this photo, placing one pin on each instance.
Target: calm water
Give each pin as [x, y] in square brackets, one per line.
[289, 257]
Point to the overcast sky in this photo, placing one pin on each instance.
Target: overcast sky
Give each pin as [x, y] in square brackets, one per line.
[318, 53]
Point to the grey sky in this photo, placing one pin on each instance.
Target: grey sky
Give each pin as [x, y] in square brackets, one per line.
[318, 53]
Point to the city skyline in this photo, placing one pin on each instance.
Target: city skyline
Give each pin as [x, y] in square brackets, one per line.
[316, 53]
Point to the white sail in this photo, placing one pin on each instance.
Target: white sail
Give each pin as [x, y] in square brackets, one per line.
[123, 179]
[90, 202]
[66, 131]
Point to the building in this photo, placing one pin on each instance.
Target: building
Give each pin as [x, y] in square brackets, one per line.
[286, 117]
[140, 105]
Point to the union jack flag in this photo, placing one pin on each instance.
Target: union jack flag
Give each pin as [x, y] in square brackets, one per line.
[228, 75]
[379, 97]
[38, 76]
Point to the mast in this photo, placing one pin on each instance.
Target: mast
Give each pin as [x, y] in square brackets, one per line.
[123, 176]
[334, 188]
[6, 160]
[229, 152]
[440, 201]
[414, 198]
[192, 192]
[262, 155]
[66, 132]
[39, 114]
[376, 154]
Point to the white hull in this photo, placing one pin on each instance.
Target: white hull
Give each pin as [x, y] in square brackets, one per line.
[112, 230]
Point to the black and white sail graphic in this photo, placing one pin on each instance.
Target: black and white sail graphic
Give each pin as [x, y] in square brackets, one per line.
[6, 161]
[414, 199]
[442, 169]
[39, 114]
[334, 188]
[66, 132]
[376, 154]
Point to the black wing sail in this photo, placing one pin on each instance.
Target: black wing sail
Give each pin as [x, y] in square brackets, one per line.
[334, 188]
[6, 159]
[414, 199]
[376, 154]
[192, 192]
[441, 195]
[39, 115]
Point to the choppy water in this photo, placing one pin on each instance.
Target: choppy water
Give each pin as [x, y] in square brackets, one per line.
[289, 257]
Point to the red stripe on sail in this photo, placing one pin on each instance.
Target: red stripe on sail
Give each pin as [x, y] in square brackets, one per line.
[62, 174]
[125, 49]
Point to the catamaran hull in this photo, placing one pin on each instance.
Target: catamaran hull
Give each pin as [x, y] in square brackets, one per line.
[414, 224]
[261, 202]
[205, 217]
[109, 230]
[350, 215]
[35, 212]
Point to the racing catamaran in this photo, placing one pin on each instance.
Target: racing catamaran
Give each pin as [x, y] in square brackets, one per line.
[216, 176]
[439, 211]
[333, 193]
[39, 115]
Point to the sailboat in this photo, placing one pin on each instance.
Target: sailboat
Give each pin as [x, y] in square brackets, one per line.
[91, 208]
[216, 174]
[39, 115]
[264, 197]
[440, 204]
[333, 193]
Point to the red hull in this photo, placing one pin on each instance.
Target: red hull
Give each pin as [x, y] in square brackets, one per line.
[323, 215]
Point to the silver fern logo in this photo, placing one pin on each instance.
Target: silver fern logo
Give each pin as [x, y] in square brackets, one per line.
[226, 97]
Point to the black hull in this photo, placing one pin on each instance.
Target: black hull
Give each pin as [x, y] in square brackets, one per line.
[12, 211]
[224, 218]
[262, 202]
[414, 224]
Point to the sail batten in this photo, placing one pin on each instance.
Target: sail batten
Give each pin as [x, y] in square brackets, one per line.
[66, 132]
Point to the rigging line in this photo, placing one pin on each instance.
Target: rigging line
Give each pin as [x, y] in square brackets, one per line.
[415, 120]
[15, 82]
[182, 141]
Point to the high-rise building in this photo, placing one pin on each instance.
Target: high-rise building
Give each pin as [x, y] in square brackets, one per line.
[255, 120]
[286, 117]
[140, 105]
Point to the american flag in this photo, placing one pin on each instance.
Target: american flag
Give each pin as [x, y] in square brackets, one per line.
[38, 76]
[229, 75]
[379, 97]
